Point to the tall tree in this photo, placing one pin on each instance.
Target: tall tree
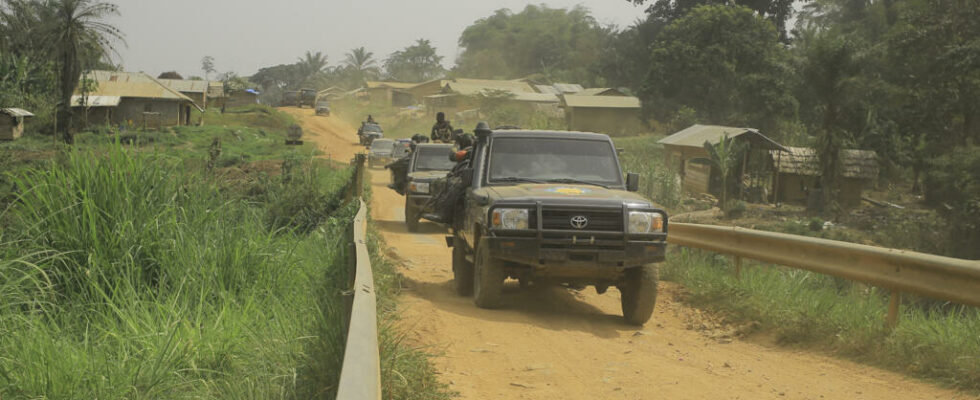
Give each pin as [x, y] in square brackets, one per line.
[207, 65]
[312, 64]
[416, 63]
[725, 63]
[560, 43]
[777, 11]
[79, 27]
[361, 65]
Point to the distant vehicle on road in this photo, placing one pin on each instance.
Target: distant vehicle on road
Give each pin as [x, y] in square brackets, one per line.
[290, 99]
[429, 162]
[307, 97]
[553, 208]
[368, 132]
[403, 147]
[322, 107]
[379, 153]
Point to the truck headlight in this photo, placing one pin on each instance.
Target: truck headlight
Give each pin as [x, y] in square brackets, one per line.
[419, 187]
[645, 222]
[509, 218]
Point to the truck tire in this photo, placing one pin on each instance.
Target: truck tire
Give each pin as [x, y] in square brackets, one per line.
[488, 278]
[639, 294]
[462, 269]
[411, 216]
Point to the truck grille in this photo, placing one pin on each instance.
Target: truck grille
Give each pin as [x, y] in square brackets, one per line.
[607, 221]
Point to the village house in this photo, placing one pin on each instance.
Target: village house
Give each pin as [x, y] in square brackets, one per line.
[392, 94]
[462, 94]
[132, 99]
[798, 174]
[242, 98]
[613, 115]
[685, 154]
[12, 122]
[196, 90]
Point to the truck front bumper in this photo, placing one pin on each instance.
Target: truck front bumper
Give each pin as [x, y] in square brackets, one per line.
[577, 251]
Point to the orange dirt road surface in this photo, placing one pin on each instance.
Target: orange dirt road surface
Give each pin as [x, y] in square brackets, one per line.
[563, 344]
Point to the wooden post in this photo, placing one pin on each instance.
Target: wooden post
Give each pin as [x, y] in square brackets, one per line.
[775, 189]
[738, 268]
[894, 301]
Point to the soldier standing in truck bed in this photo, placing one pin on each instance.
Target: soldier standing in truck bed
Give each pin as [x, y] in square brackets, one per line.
[450, 190]
[442, 131]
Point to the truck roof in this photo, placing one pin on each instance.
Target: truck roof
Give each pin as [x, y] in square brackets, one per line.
[433, 145]
[550, 134]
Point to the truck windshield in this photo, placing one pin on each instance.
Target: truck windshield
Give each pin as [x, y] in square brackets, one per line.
[553, 160]
[371, 128]
[382, 145]
[433, 159]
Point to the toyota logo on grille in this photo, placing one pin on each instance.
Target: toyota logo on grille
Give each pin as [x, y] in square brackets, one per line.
[579, 222]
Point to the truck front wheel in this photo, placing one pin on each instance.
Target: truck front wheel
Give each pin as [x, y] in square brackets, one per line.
[462, 269]
[488, 278]
[639, 293]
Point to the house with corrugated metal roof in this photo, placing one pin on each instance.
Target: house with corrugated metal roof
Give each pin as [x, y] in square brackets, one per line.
[12, 122]
[197, 90]
[130, 98]
[684, 153]
[613, 115]
[798, 174]
[394, 94]
[601, 92]
[463, 94]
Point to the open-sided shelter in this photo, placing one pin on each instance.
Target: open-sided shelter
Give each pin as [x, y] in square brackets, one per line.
[12, 122]
[684, 152]
[131, 98]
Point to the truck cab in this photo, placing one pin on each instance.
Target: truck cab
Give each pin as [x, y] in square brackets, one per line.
[430, 161]
[553, 207]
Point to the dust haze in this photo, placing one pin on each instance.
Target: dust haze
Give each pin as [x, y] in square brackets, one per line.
[245, 35]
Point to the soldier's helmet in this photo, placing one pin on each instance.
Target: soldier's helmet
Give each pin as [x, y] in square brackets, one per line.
[463, 141]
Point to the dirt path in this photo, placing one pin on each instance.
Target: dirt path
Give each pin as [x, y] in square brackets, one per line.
[561, 344]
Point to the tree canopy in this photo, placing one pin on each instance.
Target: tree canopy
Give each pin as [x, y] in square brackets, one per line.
[558, 43]
[416, 63]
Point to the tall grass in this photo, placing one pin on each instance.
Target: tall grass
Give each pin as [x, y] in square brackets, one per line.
[936, 341]
[128, 276]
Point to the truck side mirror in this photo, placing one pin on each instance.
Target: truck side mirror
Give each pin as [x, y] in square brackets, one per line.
[633, 182]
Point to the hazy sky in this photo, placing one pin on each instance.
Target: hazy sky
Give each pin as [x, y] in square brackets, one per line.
[245, 35]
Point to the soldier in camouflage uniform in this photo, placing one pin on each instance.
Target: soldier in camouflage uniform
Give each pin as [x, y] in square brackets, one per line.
[448, 191]
[442, 131]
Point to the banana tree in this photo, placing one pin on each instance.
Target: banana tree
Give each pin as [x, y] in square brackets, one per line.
[724, 156]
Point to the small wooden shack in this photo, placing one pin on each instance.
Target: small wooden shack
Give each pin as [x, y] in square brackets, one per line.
[611, 115]
[684, 152]
[242, 98]
[798, 172]
[12, 122]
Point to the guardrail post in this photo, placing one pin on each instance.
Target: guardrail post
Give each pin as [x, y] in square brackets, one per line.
[894, 301]
[359, 161]
[738, 268]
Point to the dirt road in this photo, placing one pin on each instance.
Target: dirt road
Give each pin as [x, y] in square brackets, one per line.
[561, 344]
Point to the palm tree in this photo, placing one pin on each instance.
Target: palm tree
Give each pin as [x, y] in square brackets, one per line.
[78, 31]
[362, 63]
[312, 63]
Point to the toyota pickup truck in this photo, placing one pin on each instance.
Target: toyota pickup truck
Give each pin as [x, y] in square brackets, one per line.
[553, 207]
[429, 162]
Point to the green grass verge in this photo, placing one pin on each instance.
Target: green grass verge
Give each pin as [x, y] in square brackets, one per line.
[934, 341]
[127, 275]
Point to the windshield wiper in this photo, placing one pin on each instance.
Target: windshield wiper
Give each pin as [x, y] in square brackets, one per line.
[573, 180]
[516, 179]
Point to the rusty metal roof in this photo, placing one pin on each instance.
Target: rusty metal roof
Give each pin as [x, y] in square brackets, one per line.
[16, 112]
[601, 92]
[132, 84]
[473, 87]
[858, 164]
[579, 101]
[696, 135]
[392, 85]
[95, 101]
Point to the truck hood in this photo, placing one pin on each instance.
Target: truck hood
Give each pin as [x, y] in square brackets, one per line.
[427, 175]
[564, 194]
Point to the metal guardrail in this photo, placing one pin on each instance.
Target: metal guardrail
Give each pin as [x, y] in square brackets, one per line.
[927, 275]
[360, 376]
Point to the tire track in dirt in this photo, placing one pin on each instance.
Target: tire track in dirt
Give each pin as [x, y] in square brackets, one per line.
[563, 344]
